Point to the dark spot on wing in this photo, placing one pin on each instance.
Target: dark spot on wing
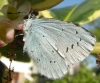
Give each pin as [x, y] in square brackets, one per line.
[50, 61]
[80, 39]
[43, 36]
[52, 51]
[38, 59]
[77, 43]
[54, 61]
[72, 46]
[32, 51]
[68, 66]
[62, 29]
[67, 49]
[92, 44]
[76, 32]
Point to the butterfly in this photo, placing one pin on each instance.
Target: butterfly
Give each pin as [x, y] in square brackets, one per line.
[55, 45]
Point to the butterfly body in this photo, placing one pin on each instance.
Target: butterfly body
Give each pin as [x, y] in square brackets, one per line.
[56, 45]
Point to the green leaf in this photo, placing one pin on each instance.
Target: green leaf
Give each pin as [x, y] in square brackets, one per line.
[44, 4]
[96, 32]
[96, 49]
[61, 13]
[83, 13]
[3, 2]
[38, 5]
[18, 51]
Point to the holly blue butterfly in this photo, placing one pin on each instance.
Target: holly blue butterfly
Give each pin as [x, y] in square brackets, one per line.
[55, 45]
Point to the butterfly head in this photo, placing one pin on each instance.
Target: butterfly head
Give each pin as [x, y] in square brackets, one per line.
[28, 23]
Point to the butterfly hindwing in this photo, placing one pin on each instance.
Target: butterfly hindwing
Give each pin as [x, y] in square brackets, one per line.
[48, 61]
[56, 45]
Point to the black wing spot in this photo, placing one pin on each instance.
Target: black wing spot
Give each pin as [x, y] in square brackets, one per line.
[50, 61]
[32, 51]
[54, 61]
[92, 44]
[76, 32]
[52, 51]
[67, 49]
[38, 59]
[72, 46]
[77, 43]
[68, 66]
[62, 29]
[43, 36]
[80, 39]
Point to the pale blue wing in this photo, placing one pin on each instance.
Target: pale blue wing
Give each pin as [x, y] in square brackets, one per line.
[56, 45]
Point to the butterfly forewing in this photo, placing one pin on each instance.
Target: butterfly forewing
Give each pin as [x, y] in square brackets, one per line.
[56, 45]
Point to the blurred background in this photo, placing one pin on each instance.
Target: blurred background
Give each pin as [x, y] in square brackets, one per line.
[85, 13]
